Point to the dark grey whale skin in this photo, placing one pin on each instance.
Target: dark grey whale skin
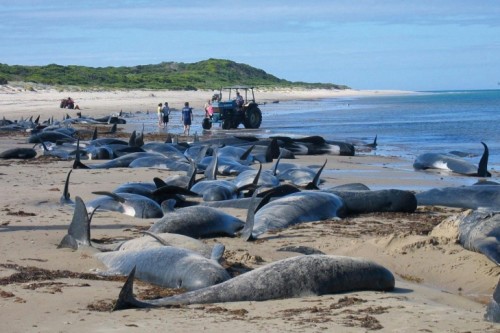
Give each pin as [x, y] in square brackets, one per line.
[293, 277]
[472, 197]
[198, 222]
[391, 200]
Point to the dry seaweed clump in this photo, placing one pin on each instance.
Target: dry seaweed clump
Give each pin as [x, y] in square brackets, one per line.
[30, 273]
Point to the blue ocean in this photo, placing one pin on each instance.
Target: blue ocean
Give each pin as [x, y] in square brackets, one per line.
[405, 125]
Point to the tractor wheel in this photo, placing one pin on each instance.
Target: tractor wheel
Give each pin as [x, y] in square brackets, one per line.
[206, 124]
[226, 124]
[253, 118]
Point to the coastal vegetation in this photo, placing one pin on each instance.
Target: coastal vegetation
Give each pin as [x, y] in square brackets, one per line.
[206, 74]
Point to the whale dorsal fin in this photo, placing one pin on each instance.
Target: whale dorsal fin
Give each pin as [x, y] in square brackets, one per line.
[65, 198]
[246, 232]
[211, 171]
[273, 150]
[168, 206]
[314, 184]
[245, 155]
[482, 170]
[77, 164]
[79, 228]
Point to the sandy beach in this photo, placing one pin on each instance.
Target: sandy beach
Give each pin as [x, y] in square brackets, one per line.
[440, 286]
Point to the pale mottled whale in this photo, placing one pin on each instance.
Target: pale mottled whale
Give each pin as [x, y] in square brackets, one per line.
[150, 240]
[166, 266]
[479, 231]
[293, 277]
[453, 163]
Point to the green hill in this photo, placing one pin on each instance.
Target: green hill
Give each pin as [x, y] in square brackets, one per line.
[207, 74]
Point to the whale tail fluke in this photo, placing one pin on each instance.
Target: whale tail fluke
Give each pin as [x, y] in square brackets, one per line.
[126, 299]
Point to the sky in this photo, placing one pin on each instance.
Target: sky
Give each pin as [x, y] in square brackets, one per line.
[365, 44]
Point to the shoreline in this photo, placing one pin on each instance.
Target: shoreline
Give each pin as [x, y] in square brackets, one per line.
[440, 286]
[17, 102]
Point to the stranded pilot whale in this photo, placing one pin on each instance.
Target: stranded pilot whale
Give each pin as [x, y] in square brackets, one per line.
[294, 208]
[167, 266]
[479, 231]
[196, 221]
[454, 163]
[293, 277]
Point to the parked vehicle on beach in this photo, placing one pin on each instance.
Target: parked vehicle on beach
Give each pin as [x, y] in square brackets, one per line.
[231, 111]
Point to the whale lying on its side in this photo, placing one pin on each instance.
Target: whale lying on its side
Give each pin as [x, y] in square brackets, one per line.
[472, 197]
[453, 163]
[196, 221]
[291, 209]
[167, 266]
[18, 153]
[479, 231]
[293, 277]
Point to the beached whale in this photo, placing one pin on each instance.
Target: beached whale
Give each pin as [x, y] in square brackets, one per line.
[150, 240]
[166, 266]
[293, 277]
[475, 230]
[315, 145]
[291, 209]
[479, 231]
[126, 203]
[18, 153]
[197, 222]
[390, 200]
[454, 163]
[472, 197]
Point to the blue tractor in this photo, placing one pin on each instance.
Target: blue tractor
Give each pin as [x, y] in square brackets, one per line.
[239, 107]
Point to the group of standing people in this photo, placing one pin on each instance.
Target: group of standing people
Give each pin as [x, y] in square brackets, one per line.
[163, 114]
[186, 116]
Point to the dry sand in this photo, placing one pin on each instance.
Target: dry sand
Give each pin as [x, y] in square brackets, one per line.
[440, 287]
